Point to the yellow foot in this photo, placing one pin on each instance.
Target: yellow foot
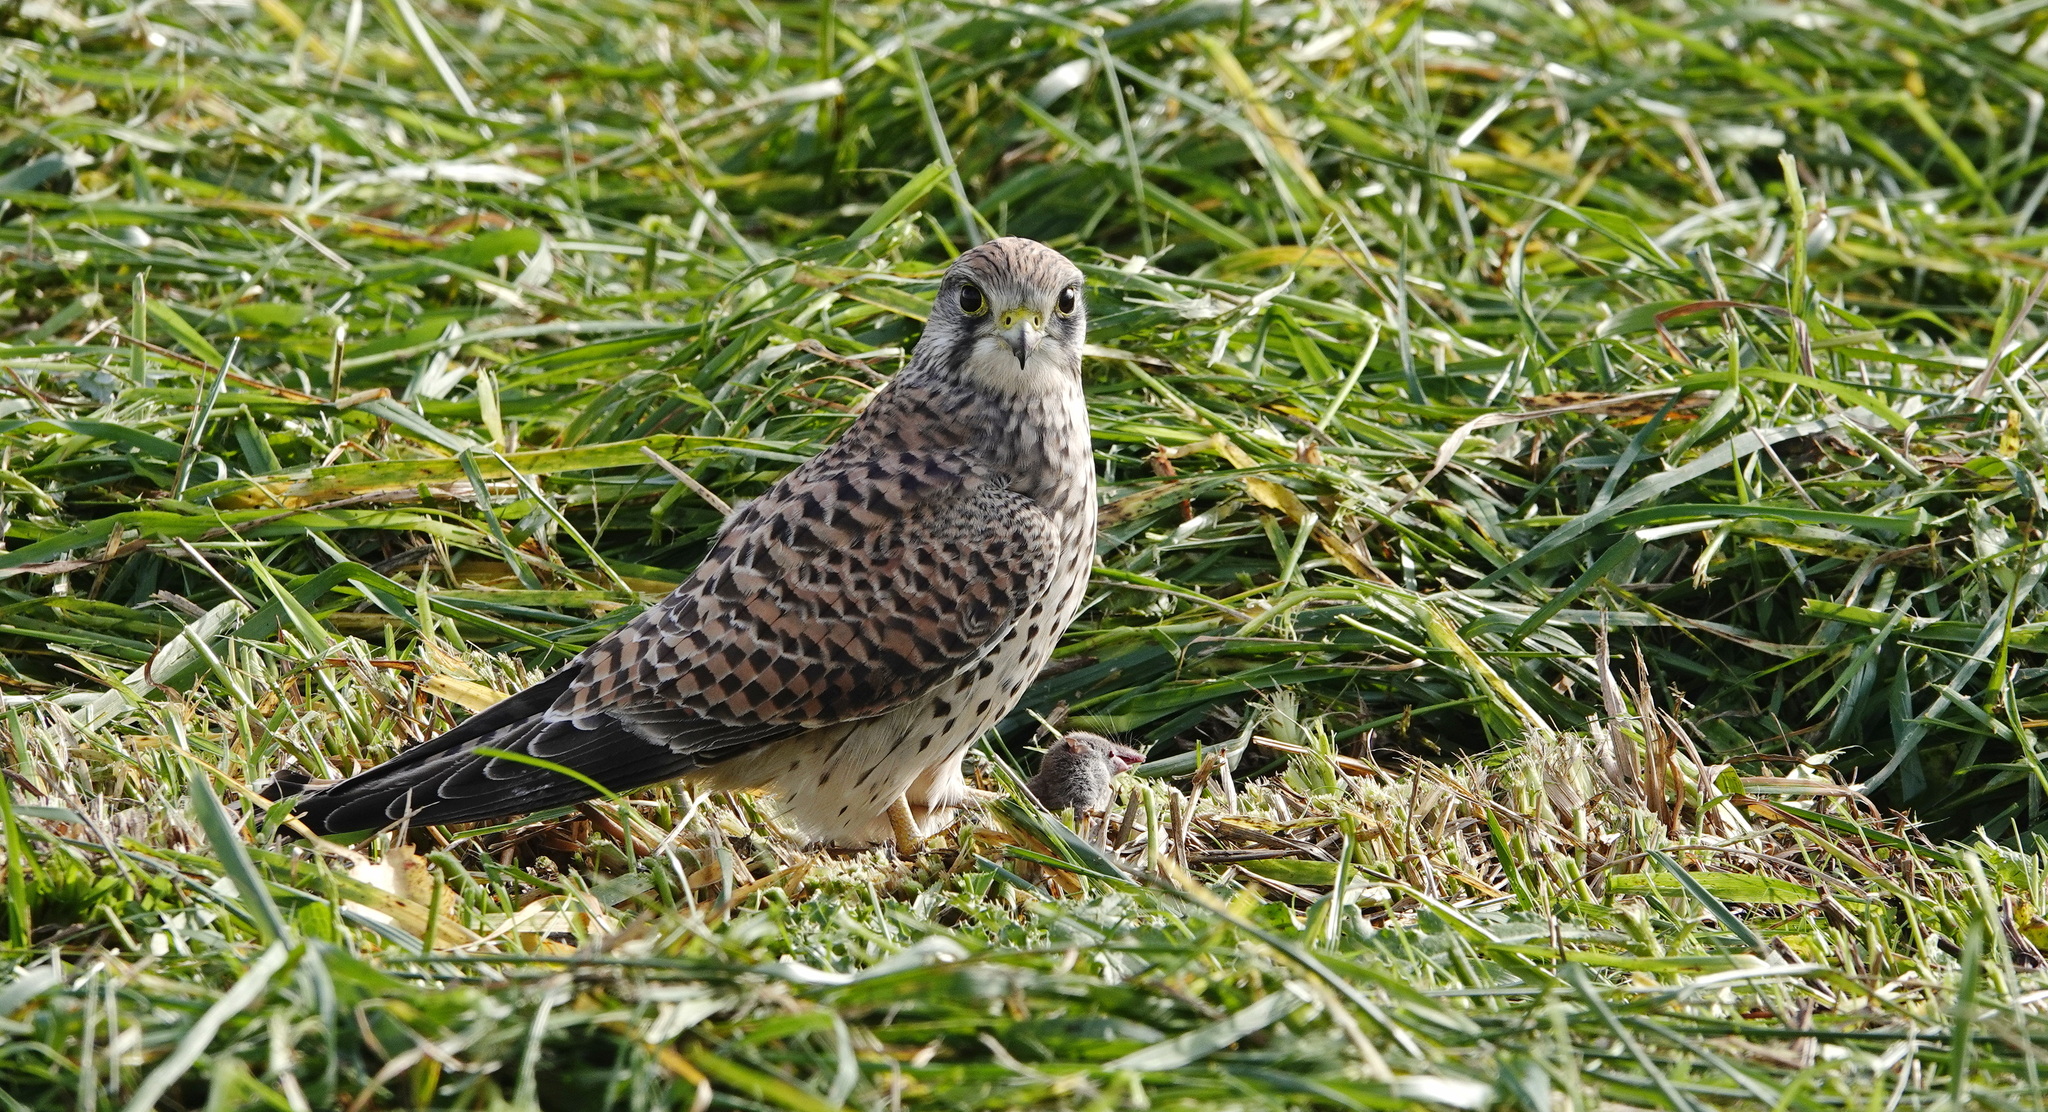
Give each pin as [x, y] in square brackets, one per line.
[907, 839]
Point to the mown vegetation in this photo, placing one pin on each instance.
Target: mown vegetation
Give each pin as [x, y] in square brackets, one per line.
[1573, 500]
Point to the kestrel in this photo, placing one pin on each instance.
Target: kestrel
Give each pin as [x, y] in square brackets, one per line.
[1078, 770]
[854, 629]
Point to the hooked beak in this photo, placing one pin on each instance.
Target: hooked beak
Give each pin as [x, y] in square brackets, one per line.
[1021, 330]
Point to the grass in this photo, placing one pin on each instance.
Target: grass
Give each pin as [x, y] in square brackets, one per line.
[1572, 547]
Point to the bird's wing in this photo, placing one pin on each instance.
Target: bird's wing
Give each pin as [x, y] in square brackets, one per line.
[851, 588]
[840, 596]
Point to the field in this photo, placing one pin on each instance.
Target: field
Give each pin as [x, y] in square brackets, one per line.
[1571, 547]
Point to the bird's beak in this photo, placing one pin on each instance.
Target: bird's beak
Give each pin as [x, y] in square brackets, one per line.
[1022, 329]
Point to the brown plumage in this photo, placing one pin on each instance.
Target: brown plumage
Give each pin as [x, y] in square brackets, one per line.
[1078, 770]
[852, 630]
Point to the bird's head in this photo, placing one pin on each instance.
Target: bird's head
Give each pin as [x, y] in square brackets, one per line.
[1010, 316]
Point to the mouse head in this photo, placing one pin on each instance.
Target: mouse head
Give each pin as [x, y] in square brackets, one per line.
[1080, 743]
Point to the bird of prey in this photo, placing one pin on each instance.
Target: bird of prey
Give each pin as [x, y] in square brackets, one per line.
[853, 630]
[1077, 770]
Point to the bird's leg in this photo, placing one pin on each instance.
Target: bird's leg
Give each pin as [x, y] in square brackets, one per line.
[907, 839]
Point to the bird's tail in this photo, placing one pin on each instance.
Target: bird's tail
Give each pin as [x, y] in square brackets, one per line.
[515, 757]
[446, 780]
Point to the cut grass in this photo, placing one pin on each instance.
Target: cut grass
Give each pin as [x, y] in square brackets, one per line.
[1466, 380]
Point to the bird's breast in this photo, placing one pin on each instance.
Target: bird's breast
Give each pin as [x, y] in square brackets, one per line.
[1041, 445]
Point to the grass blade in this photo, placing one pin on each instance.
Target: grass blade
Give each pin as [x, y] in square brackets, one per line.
[252, 891]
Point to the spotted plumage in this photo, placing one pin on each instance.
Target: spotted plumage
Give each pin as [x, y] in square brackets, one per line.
[853, 629]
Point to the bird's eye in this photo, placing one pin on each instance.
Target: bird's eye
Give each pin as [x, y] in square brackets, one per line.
[971, 301]
[1068, 301]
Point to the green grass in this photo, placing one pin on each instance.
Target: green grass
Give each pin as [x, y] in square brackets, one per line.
[1583, 471]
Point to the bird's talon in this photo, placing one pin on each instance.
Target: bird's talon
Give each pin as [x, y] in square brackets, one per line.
[907, 839]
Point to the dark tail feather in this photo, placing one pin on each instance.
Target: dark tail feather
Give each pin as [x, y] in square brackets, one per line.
[446, 780]
[283, 783]
[378, 797]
